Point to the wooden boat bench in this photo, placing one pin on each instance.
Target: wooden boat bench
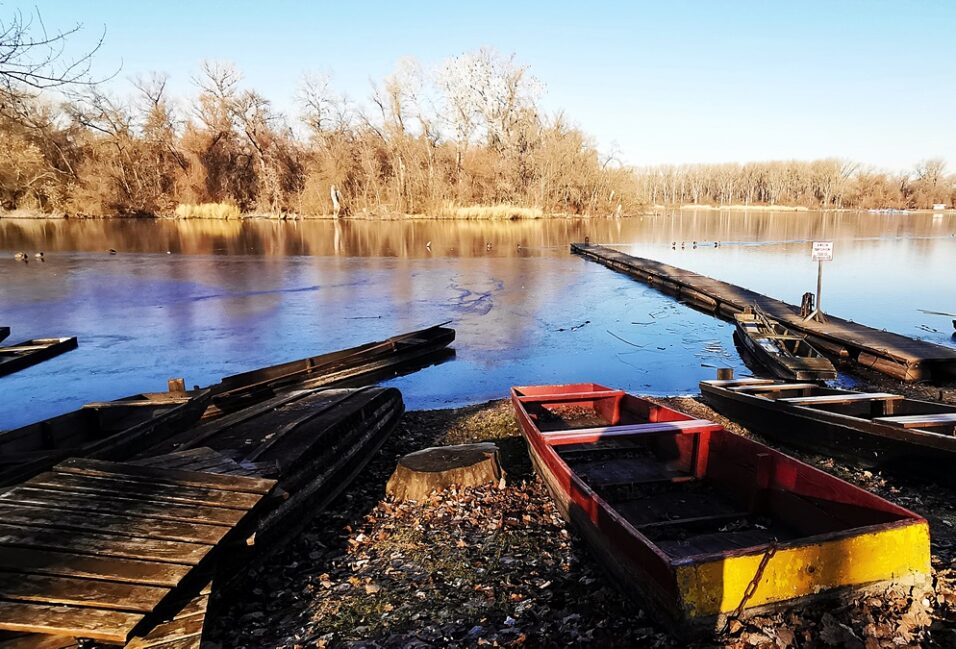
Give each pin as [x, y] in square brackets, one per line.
[758, 390]
[727, 383]
[581, 435]
[940, 420]
[881, 403]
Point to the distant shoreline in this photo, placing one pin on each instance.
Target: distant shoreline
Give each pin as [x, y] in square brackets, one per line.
[489, 213]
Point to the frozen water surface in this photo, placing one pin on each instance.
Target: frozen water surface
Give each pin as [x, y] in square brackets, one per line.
[207, 299]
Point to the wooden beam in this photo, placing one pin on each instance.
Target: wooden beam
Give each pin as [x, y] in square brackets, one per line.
[175, 477]
[107, 626]
[825, 399]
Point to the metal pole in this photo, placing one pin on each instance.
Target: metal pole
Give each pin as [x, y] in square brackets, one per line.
[819, 285]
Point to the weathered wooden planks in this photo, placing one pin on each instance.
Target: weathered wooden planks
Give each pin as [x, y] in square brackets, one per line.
[146, 492]
[921, 421]
[90, 548]
[164, 476]
[102, 544]
[836, 399]
[899, 356]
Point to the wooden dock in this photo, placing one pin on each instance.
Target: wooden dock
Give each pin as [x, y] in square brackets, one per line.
[901, 357]
[92, 549]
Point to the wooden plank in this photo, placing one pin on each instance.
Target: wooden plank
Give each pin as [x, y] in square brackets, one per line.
[119, 505]
[71, 591]
[180, 629]
[50, 517]
[152, 493]
[920, 421]
[581, 435]
[777, 387]
[133, 403]
[64, 564]
[105, 545]
[726, 383]
[571, 396]
[11, 640]
[153, 475]
[824, 399]
[97, 624]
[178, 458]
[185, 626]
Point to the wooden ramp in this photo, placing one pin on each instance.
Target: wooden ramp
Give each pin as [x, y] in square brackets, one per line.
[904, 358]
[92, 548]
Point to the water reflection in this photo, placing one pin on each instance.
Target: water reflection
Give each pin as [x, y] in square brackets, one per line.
[435, 238]
[236, 295]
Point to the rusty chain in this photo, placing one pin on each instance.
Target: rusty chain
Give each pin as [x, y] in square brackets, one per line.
[752, 586]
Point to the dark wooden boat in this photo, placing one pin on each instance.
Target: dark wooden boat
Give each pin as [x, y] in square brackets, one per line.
[314, 442]
[873, 429]
[785, 354]
[687, 515]
[352, 367]
[31, 352]
[4, 332]
[107, 430]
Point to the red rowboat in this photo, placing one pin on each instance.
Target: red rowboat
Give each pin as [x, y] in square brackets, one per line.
[701, 523]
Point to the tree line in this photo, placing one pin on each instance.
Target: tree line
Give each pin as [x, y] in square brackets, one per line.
[822, 184]
[466, 139]
[470, 133]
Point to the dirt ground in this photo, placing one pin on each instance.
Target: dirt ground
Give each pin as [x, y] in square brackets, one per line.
[498, 566]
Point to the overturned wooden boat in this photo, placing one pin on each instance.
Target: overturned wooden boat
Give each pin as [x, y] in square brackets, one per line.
[873, 429]
[313, 442]
[785, 354]
[30, 352]
[701, 523]
[92, 549]
[105, 430]
[352, 367]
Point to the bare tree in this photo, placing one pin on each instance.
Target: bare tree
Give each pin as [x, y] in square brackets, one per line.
[33, 58]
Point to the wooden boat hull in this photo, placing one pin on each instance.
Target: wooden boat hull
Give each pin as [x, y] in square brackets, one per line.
[109, 430]
[628, 523]
[30, 352]
[352, 367]
[313, 442]
[812, 367]
[854, 439]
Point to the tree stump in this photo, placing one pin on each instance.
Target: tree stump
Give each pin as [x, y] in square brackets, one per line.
[438, 468]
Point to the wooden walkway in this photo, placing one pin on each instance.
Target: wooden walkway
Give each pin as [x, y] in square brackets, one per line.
[91, 549]
[904, 358]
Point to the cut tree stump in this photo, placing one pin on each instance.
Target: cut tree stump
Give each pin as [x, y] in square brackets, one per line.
[440, 467]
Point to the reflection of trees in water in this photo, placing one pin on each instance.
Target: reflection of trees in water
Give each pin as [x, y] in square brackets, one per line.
[441, 238]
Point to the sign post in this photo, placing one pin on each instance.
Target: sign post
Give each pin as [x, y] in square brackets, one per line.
[820, 252]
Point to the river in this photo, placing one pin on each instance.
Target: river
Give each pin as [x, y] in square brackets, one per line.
[203, 299]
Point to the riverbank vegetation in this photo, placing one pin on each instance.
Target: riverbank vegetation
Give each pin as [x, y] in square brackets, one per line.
[467, 139]
[819, 184]
[468, 135]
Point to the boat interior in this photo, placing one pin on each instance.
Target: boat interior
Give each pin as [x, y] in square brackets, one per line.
[879, 407]
[92, 422]
[773, 338]
[687, 485]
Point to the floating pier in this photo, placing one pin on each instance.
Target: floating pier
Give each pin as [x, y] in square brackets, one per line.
[898, 356]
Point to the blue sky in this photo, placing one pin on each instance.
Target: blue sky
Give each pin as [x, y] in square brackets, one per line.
[662, 82]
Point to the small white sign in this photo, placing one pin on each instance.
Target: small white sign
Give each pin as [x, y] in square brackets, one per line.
[822, 251]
